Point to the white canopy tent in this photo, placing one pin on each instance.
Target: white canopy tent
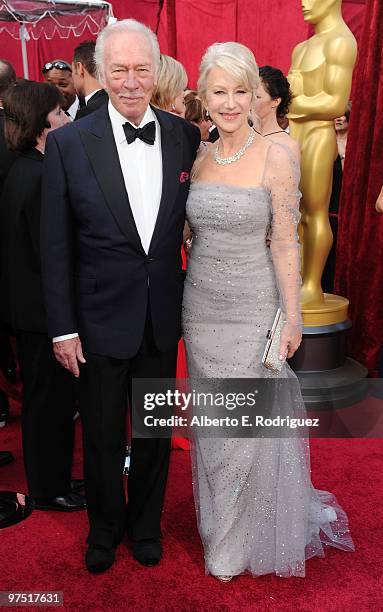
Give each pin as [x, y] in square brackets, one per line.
[23, 19]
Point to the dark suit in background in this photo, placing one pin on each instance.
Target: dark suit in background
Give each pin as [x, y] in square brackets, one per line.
[97, 100]
[48, 391]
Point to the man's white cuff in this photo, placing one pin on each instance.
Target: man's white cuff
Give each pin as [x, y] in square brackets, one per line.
[65, 337]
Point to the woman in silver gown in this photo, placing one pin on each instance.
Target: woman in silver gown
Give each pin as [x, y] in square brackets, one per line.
[257, 509]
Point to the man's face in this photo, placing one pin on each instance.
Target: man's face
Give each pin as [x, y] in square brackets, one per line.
[129, 74]
[315, 10]
[64, 82]
[78, 77]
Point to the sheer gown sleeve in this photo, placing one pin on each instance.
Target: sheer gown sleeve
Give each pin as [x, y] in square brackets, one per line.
[281, 177]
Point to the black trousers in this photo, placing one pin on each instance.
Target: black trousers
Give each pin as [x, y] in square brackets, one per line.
[104, 386]
[47, 416]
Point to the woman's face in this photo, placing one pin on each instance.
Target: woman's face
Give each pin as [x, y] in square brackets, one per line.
[264, 104]
[57, 118]
[227, 101]
[178, 105]
[341, 124]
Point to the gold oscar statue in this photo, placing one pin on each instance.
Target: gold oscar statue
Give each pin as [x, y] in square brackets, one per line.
[320, 78]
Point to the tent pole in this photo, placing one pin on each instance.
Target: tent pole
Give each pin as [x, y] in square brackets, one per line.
[23, 39]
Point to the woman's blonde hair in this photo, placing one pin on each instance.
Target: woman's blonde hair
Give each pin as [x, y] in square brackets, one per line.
[235, 59]
[171, 81]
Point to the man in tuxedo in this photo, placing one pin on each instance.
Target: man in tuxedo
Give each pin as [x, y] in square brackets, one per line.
[85, 79]
[114, 193]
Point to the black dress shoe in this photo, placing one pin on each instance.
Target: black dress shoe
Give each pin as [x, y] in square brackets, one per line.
[147, 552]
[6, 457]
[76, 484]
[98, 560]
[63, 503]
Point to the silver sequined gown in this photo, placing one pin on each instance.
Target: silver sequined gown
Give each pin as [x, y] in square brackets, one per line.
[257, 510]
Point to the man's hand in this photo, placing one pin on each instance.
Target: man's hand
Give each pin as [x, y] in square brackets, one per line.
[69, 353]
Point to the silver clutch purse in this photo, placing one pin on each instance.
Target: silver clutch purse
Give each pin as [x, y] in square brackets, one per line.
[270, 357]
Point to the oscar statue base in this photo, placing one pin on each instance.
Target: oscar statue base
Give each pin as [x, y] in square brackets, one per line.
[328, 378]
[333, 309]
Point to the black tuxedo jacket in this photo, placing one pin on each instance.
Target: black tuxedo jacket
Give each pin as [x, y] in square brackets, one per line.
[96, 101]
[21, 301]
[96, 274]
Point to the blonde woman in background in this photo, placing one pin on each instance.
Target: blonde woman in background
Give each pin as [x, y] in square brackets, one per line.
[168, 95]
[171, 84]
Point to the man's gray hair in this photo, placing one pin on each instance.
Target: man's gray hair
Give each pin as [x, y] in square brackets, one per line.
[121, 27]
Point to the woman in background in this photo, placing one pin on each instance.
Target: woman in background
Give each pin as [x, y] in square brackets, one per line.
[169, 96]
[341, 125]
[48, 403]
[341, 129]
[271, 104]
[170, 88]
[196, 113]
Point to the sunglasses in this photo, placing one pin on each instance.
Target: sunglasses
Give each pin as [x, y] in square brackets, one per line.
[59, 64]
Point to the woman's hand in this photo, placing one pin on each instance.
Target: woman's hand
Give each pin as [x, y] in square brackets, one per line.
[379, 202]
[291, 338]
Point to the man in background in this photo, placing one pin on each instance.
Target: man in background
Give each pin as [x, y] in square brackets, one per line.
[59, 72]
[85, 79]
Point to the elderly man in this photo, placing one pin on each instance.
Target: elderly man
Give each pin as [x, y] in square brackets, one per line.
[114, 194]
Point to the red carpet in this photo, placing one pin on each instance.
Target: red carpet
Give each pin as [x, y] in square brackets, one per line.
[45, 552]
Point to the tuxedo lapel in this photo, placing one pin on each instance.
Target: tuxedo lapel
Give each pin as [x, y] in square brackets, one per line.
[100, 146]
[171, 167]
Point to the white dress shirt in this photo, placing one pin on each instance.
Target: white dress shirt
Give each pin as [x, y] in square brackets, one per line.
[141, 166]
[88, 97]
[72, 110]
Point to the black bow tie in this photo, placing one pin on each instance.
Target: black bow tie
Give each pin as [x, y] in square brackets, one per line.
[146, 134]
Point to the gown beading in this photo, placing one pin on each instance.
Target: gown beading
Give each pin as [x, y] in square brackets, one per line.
[257, 509]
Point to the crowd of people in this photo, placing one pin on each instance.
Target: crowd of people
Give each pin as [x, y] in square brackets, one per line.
[100, 163]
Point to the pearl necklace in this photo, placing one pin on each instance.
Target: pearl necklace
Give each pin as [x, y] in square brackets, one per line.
[223, 161]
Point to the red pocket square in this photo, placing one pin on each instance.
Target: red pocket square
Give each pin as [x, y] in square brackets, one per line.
[184, 176]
